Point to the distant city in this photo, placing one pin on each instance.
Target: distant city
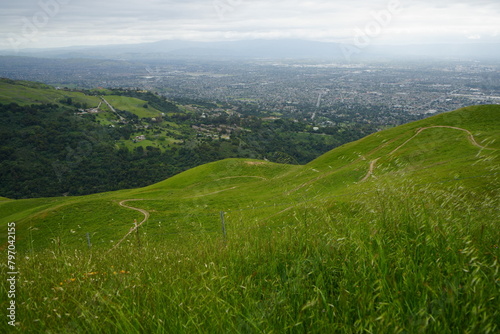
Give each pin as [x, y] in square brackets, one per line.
[320, 92]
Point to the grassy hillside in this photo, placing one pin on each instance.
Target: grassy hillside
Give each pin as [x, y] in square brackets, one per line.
[27, 93]
[397, 232]
[135, 106]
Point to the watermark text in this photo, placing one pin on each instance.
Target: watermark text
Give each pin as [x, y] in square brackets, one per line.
[222, 7]
[11, 273]
[31, 26]
[362, 37]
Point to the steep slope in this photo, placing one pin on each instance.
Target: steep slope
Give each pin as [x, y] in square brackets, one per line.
[459, 148]
[439, 147]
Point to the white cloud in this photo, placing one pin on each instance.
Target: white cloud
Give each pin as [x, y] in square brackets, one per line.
[82, 22]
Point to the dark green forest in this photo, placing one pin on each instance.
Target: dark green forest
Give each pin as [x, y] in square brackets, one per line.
[47, 150]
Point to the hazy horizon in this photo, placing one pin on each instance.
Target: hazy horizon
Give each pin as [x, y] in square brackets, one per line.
[84, 46]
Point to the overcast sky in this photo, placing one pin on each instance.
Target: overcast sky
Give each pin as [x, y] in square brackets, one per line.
[57, 23]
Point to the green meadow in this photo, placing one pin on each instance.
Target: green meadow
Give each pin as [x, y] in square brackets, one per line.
[27, 93]
[395, 233]
[133, 105]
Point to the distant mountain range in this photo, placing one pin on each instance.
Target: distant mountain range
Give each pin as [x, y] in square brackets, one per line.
[267, 49]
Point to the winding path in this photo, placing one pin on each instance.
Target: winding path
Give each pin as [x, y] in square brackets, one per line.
[322, 176]
[470, 137]
[137, 225]
[144, 212]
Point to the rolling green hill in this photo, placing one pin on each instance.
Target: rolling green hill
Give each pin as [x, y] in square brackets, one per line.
[27, 93]
[448, 147]
[396, 232]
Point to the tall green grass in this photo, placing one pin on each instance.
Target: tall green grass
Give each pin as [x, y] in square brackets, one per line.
[401, 259]
[318, 248]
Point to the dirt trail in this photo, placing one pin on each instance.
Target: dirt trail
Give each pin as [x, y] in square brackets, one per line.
[137, 225]
[144, 212]
[213, 193]
[470, 137]
[370, 170]
[322, 176]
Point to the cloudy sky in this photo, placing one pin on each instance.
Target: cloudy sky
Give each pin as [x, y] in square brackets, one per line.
[58, 23]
